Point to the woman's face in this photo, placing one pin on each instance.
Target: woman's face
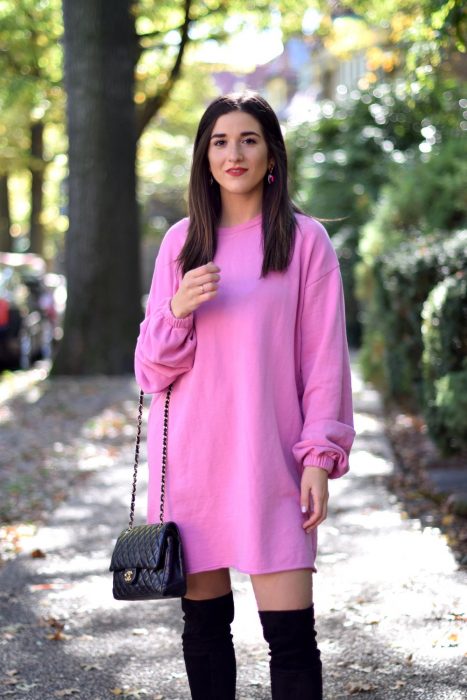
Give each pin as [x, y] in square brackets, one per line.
[238, 154]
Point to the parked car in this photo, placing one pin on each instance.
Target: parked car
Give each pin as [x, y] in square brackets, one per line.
[29, 318]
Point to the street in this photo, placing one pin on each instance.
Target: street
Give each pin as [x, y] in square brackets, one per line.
[390, 600]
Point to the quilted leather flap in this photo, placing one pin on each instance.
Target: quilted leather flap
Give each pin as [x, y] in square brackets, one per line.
[142, 547]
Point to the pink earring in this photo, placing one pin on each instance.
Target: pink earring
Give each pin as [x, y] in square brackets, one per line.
[271, 176]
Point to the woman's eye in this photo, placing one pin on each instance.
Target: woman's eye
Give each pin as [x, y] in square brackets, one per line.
[222, 142]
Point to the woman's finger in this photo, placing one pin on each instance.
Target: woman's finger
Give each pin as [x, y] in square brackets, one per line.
[207, 277]
[314, 518]
[317, 517]
[305, 497]
[202, 284]
[208, 269]
[311, 525]
[318, 511]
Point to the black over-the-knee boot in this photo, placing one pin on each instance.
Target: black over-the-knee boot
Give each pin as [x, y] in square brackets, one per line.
[295, 662]
[208, 648]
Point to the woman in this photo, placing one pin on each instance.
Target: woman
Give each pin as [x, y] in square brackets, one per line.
[246, 313]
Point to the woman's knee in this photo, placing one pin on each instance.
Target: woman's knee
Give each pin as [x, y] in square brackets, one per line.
[208, 584]
[283, 590]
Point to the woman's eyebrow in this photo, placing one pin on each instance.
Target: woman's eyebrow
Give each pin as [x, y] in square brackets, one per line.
[244, 133]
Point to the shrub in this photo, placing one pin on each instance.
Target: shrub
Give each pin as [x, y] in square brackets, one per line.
[401, 260]
[342, 157]
[403, 279]
[444, 333]
[422, 195]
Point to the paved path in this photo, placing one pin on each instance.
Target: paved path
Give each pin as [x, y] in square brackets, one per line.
[391, 604]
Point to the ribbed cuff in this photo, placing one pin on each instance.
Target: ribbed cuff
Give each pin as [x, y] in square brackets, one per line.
[167, 313]
[320, 461]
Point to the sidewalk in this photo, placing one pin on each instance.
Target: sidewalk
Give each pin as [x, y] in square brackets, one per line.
[390, 601]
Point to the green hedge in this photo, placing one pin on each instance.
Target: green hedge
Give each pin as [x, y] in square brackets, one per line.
[403, 280]
[444, 333]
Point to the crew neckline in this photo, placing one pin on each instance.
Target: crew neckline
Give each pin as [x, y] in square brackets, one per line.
[238, 228]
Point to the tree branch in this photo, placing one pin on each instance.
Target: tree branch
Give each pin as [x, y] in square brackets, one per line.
[159, 32]
[154, 102]
[219, 35]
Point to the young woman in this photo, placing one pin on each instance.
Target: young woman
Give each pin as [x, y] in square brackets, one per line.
[246, 314]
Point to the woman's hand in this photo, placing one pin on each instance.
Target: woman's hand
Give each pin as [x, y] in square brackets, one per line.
[197, 286]
[314, 496]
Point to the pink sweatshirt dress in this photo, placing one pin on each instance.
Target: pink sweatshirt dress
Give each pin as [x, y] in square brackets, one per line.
[261, 389]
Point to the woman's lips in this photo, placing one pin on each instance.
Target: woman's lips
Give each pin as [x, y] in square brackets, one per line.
[236, 172]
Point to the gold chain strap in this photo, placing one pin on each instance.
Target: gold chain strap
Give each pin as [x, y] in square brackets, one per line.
[164, 455]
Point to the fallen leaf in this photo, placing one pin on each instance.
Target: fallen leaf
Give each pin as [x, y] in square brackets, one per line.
[52, 622]
[457, 616]
[126, 692]
[58, 636]
[9, 632]
[355, 688]
[357, 667]
[38, 554]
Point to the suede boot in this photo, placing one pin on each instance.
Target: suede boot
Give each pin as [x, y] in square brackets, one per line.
[295, 662]
[208, 648]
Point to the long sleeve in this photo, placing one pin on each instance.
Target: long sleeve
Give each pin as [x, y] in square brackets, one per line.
[328, 432]
[166, 344]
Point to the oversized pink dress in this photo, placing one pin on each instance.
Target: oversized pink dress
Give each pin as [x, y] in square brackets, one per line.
[261, 389]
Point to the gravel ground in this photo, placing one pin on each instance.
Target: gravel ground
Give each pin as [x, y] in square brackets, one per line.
[390, 599]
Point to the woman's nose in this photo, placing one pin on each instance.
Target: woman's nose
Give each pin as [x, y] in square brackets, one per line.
[235, 153]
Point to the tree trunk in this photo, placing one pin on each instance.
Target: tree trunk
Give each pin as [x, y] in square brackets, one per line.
[6, 242]
[36, 230]
[101, 252]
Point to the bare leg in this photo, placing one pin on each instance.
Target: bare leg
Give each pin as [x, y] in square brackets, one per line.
[283, 590]
[208, 584]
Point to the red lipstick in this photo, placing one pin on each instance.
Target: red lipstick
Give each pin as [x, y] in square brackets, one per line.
[236, 172]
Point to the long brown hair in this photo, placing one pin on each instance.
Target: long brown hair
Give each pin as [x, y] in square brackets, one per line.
[204, 200]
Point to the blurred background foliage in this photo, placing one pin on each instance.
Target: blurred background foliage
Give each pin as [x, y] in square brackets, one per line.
[382, 160]
[388, 162]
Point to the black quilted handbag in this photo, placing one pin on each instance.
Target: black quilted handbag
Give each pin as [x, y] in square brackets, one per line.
[147, 560]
